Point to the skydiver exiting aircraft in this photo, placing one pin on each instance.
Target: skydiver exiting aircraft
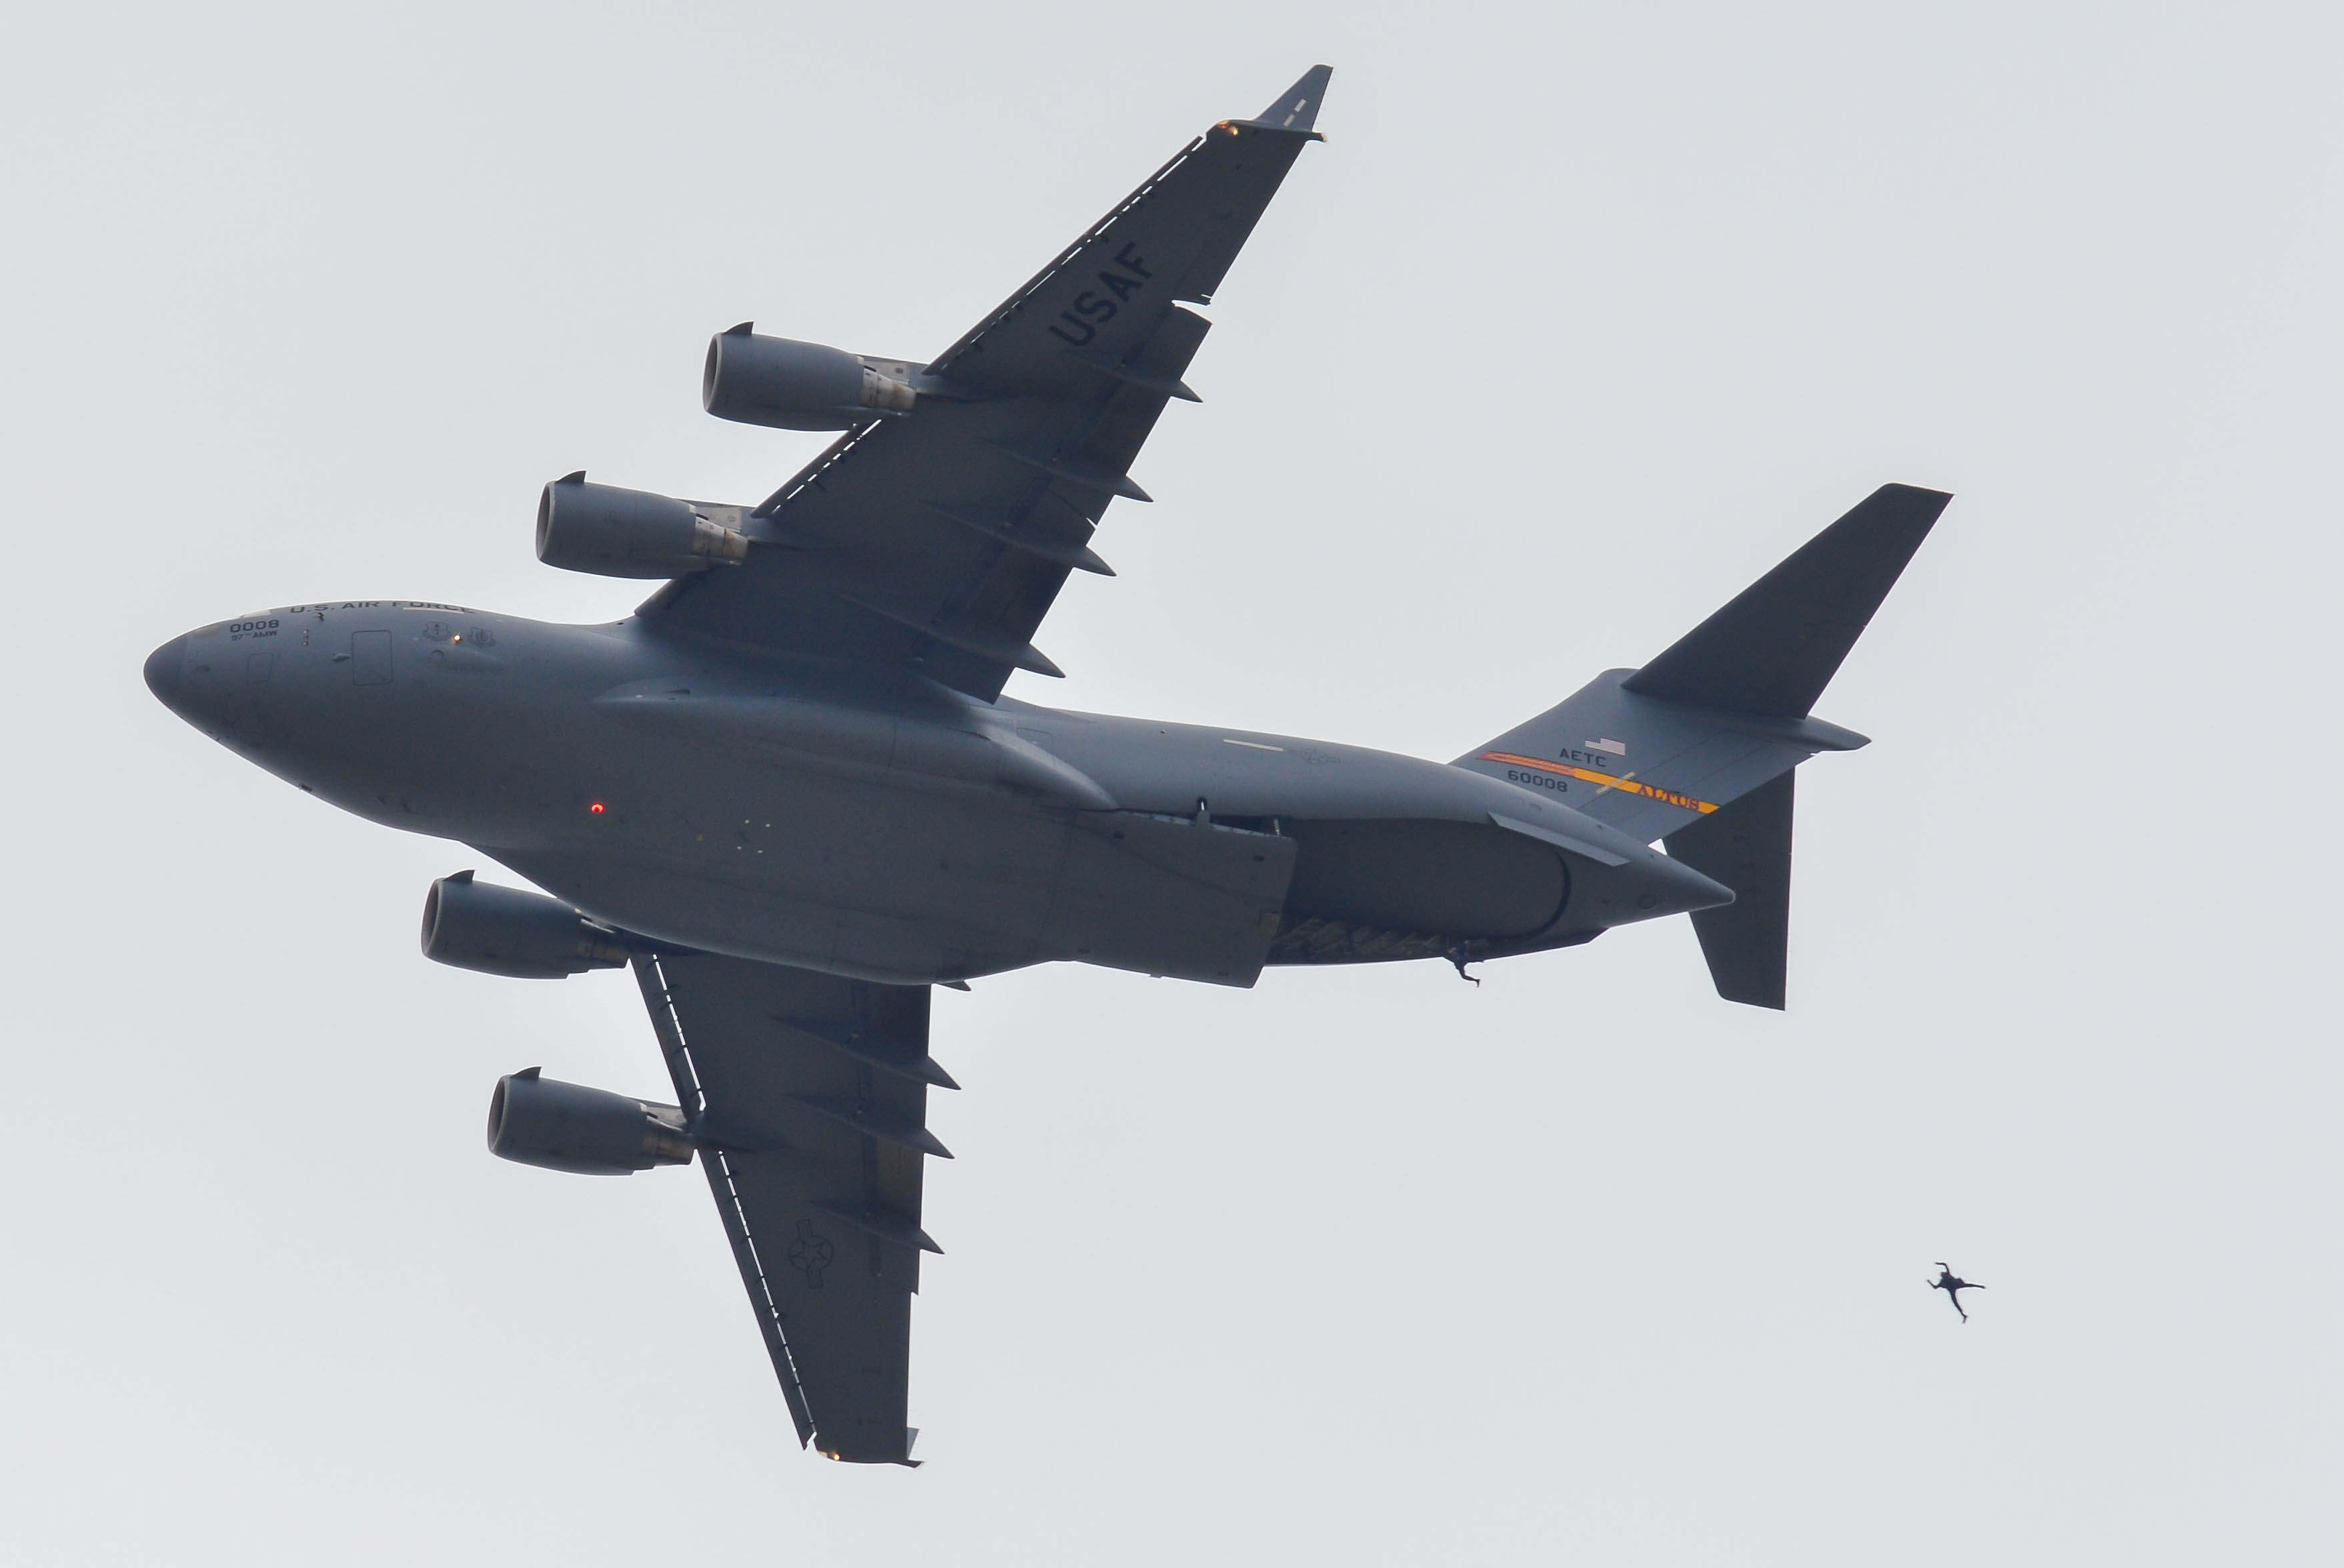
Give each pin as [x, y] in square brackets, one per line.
[1953, 1285]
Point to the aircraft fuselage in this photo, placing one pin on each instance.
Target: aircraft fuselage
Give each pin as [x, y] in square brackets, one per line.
[870, 822]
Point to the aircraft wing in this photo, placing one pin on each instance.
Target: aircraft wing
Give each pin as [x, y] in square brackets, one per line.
[939, 539]
[808, 1095]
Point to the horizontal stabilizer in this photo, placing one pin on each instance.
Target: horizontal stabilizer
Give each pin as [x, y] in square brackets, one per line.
[1775, 647]
[1747, 847]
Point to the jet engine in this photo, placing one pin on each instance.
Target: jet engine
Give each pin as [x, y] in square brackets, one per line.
[614, 533]
[512, 932]
[792, 385]
[539, 1121]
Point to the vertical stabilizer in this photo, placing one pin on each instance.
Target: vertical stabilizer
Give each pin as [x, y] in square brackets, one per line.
[1696, 748]
[1747, 847]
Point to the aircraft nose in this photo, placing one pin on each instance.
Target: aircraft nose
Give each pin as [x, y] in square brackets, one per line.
[166, 672]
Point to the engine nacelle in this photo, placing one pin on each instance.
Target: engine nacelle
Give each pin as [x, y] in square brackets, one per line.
[792, 385]
[539, 1121]
[614, 533]
[512, 932]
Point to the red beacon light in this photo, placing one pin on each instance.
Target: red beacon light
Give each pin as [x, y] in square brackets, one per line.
[595, 808]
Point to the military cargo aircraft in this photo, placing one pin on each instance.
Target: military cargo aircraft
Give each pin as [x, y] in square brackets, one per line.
[790, 792]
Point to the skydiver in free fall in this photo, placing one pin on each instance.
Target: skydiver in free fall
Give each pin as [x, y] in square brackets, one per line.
[1953, 1285]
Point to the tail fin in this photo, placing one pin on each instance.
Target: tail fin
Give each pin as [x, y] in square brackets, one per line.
[1747, 847]
[1688, 749]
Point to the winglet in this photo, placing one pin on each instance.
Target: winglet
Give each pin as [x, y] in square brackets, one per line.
[1297, 108]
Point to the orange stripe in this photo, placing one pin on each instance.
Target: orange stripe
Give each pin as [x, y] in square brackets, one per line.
[1628, 785]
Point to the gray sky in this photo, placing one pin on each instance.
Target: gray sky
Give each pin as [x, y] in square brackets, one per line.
[1583, 318]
